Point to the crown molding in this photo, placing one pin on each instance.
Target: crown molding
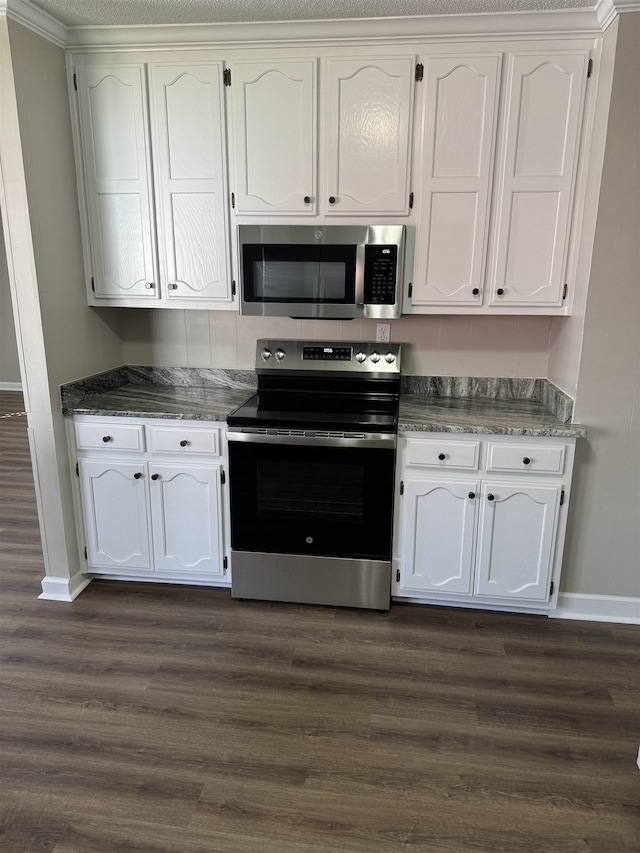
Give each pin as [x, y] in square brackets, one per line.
[35, 19]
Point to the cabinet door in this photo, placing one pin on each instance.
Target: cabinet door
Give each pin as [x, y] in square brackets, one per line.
[186, 510]
[274, 128]
[115, 512]
[543, 115]
[189, 173]
[517, 531]
[369, 107]
[117, 174]
[460, 99]
[438, 536]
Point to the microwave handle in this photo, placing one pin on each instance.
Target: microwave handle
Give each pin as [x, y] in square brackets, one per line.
[359, 282]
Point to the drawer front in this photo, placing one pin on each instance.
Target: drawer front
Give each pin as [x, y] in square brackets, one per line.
[109, 436]
[444, 454]
[185, 440]
[543, 459]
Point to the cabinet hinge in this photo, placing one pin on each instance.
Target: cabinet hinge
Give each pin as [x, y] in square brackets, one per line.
[85, 554]
[565, 290]
[225, 563]
[401, 487]
[410, 201]
[77, 470]
[75, 81]
[93, 285]
[398, 575]
[233, 199]
[419, 72]
[410, 289]
[227, 76]
[223, 477]
[561, 497]
[233, 288]
[551, 589]
[589, 68]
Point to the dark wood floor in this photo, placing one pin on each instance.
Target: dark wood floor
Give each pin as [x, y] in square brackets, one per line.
[173, 720]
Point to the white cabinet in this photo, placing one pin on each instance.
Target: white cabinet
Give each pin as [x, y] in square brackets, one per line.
[154, 507]
[496, 187]
[485, 541]
[154, 183]
[366, 113]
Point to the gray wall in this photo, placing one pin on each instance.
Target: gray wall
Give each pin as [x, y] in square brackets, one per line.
[9, 365]
[603, 547]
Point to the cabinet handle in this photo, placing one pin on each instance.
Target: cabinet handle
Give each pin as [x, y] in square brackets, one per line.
[475, 291]
[184, 442]
[155, 476]
[441, 456]
[307, 199]
[526, 461]
[106, 438]
[332, 199]
[137, 475]
[173, 286]
[149, 285]
[472, 495]
[491, 497]
[500, 291]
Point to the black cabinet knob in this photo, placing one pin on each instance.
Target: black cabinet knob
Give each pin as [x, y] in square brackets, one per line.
[137, 475]
[491, 497]
[307, 199]
[475, 291]
[332, 199]
[472, 495]
[441, 456]
[500, 291]
[173, 286]
[155, 476]
[526, 461]
[106, 438]
[184, 442]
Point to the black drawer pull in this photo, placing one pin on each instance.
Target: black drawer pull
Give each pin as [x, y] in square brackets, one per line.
[155, 476]
[106, 438]
[526, 461]
[137, 475]
[184, 442]
[472, 495]
[441, 456]
[491, 497]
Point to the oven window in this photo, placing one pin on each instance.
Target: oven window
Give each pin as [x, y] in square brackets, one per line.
[304, 274]
[310, 490]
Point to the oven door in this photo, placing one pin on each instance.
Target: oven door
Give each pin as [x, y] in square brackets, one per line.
[318, 496]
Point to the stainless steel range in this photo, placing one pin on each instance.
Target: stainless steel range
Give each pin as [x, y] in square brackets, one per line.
[311, 462]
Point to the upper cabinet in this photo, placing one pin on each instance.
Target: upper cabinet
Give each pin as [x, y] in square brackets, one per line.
[497, 185]
[365, 118]
[154, 183]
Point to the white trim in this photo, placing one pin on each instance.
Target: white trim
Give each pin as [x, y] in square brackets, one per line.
[598, 608]
[10, 386]
[64, 589]
[35, 19]
[606, 12]
[470, 604]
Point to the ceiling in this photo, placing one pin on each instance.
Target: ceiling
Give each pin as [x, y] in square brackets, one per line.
[75, 13]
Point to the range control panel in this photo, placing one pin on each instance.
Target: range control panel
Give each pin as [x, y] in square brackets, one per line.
[356, 357]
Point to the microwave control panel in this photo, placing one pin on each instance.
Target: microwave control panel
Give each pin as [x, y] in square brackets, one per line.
[380, 267]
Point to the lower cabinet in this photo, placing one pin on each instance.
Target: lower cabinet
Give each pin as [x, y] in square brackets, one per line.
[152, 513]
[488, 540]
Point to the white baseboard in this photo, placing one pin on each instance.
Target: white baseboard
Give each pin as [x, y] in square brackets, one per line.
[64, 589]
[597, 608]
[10, 386]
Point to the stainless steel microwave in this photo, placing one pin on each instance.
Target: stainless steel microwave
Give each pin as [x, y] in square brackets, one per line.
[326, 271]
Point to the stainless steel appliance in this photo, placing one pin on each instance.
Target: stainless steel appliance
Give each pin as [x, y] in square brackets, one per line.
[335, 271]
[311, 462]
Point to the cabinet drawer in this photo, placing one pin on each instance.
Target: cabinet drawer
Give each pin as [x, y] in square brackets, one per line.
[443, 454]
[185, 440]
[546, 459]
[109, 436]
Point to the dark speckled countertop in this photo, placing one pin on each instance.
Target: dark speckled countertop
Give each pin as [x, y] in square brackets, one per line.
[427, 404]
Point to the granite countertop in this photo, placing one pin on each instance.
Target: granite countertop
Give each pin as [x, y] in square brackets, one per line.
[427, 404]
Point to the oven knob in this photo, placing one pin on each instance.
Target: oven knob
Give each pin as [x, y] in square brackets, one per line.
[375, 357]
[265, 354]
[361, 356]
[280, 354]
[389, 358]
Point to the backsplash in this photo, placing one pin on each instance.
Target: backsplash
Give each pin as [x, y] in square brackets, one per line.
[436, 345]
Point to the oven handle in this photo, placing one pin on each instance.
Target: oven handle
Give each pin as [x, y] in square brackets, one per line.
[374, 440]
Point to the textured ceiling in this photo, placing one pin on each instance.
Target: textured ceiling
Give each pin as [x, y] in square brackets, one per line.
[131, 12]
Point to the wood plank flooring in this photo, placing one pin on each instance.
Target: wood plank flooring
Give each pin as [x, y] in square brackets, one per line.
[170, 719]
